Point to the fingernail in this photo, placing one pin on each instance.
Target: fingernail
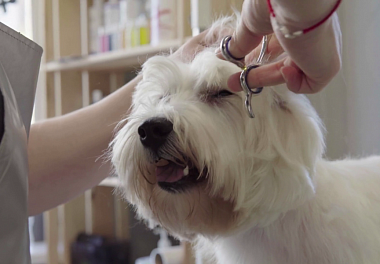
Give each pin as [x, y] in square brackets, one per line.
[283, 74]
[217, 51]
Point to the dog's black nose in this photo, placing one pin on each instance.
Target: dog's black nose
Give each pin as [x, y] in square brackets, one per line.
[154, 132]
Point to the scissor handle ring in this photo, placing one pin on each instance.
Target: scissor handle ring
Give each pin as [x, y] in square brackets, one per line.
[248, 91]
[227, 54]
[244, 80]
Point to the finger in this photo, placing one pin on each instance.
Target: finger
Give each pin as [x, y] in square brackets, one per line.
[284, 71]
[253, 25]
[274, 49]
[266, 75]
[242, 42]
[316, 53]
[298, 82]
[293, 78]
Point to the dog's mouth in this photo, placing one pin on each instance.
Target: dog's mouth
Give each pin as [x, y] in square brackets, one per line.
[176, 177]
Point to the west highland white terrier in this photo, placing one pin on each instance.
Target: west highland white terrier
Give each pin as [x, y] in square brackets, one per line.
[243, 190]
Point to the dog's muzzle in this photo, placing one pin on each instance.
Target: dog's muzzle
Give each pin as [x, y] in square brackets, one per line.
[154, 132]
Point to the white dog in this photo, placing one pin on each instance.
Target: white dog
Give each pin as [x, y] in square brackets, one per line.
[244, 190]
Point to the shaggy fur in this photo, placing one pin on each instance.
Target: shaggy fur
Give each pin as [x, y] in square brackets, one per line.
[268, 196]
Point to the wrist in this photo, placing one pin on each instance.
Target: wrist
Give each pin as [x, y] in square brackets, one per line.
[300, 14]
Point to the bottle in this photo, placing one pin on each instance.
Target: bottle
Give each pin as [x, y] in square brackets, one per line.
[164, 241]
[129, 10]
[142, 26]
[111, 11]
[96, 95]
[95, 22]
[103, 44]
[163, 21]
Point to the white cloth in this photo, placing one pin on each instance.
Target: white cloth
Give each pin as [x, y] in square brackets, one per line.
[19, 66]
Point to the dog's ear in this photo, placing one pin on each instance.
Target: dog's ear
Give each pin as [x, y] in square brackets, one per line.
[289, 136]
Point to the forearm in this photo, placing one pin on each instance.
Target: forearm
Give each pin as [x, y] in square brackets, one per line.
[321, 46]
[65, 152]
[300, 14]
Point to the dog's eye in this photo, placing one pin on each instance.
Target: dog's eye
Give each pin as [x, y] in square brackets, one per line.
[223, 93]
[164, 97]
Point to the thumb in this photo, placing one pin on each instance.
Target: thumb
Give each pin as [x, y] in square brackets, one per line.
[253, 24]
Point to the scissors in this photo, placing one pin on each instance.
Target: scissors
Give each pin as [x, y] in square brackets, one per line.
[245, 70]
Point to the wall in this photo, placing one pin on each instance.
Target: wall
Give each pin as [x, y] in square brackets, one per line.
[350, 105]
[18, 17]
[361, 69]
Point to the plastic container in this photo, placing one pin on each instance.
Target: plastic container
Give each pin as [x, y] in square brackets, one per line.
[95, 22]
[163, 21]
[142, 26]
[129, 10]
[96, 95]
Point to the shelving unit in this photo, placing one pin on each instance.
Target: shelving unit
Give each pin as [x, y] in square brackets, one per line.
[68, 76]
[113, 60]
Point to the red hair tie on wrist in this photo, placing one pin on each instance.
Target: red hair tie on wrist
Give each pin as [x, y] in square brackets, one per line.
[291, 35]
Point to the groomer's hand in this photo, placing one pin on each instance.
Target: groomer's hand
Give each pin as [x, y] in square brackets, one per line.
[191, 48]
[306, 63]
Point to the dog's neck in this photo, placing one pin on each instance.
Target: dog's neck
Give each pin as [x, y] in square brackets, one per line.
[268, 243]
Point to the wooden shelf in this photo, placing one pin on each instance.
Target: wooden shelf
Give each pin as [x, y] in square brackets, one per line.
[110, 182]
[118, 59]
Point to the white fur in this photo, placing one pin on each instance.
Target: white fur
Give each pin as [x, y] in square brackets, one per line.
[270, 197]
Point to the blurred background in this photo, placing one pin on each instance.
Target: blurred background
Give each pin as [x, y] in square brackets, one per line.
[93, 47]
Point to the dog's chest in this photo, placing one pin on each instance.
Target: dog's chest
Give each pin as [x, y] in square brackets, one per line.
[253, 249]
[287, 246]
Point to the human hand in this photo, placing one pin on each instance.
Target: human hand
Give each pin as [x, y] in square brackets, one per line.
[192, 47]
[306, 63]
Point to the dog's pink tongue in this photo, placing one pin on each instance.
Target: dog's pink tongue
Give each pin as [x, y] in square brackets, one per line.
[169, 173]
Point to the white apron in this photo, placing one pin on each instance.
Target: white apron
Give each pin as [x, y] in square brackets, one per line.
[19, 65]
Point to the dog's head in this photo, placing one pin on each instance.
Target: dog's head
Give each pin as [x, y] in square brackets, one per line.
[192, 161]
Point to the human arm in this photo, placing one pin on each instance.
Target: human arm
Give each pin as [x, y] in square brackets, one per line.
[306, 63]
[64, 152]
